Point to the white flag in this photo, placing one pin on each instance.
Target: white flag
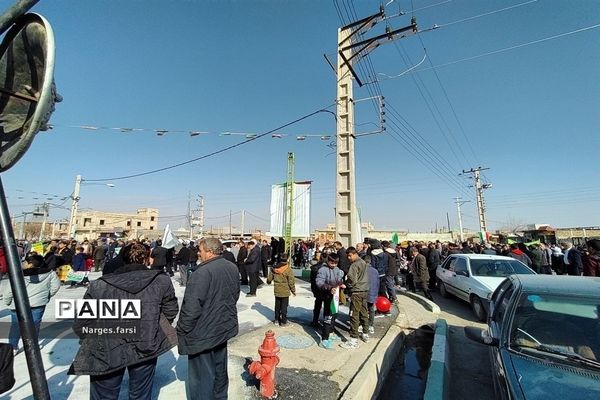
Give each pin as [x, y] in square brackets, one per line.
[169, 240]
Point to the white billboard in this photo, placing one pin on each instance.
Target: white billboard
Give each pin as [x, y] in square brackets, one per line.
[300, 212]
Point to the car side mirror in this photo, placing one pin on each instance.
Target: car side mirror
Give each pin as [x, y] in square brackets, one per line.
[480, 336]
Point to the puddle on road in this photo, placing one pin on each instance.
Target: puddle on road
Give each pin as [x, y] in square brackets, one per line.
[408, 376]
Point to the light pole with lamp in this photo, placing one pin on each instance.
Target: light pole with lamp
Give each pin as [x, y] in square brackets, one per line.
[75, 197]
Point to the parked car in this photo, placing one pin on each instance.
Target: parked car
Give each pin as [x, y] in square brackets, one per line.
[544, 337]
[474, 277]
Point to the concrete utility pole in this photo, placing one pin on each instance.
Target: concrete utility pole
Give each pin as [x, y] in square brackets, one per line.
[459, 203]
[189, 215]
[289, 205]
[242, 223]
[74, 205]
[479, 187]
[352, 49]
[22, 230]
[46, 208]
[201, 210]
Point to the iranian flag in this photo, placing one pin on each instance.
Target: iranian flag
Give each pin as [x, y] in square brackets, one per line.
[335, 304]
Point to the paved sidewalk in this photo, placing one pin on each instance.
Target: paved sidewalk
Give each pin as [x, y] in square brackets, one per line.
[308, 373]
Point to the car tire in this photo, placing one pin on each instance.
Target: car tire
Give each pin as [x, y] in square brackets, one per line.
[443, 290]
[478, 309]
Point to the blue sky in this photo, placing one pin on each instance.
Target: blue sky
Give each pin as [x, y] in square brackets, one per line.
[529, 114]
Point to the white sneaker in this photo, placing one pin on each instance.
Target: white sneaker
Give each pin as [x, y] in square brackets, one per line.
[371, 330]
[360, 328]
[350, 344]
[365, 337]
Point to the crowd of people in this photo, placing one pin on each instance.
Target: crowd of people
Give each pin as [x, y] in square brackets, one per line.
[213, 275]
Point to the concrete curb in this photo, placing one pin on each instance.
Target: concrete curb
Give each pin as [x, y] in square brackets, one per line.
[370, 378]
[428, 304]
[437, 377]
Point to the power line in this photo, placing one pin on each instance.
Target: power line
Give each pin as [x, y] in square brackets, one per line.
[486, 14]
[489, 53]
[163, 132]
[257, 217]
[223, 216]
[416, 79]
[413, 10]
[421, 140]
[415, 150]
[449, 102]
[209, 154]
[410, 128]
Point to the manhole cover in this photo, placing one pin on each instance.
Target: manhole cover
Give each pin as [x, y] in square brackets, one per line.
[294, 342]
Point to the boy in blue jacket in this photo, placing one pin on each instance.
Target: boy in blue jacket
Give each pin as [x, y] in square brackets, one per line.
[373, 293]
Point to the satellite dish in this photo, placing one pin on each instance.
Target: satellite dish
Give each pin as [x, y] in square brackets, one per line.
[27, 90]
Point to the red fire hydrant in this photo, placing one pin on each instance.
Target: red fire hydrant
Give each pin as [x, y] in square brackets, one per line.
[265, 369]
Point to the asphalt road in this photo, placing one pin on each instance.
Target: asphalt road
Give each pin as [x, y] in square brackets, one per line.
[470, 376]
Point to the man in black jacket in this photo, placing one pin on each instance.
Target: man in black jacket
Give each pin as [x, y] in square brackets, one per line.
[344, 263]
[134, 344]
[183, 262]
[391, 272]
[572, 259]
[252, 266]
[159, 256]
[241, 258]
[208, 319]
[265, 256]
[193, 255]
[274, 251]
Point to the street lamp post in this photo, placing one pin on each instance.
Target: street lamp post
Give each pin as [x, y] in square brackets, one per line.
[75, 197]
[74, 205]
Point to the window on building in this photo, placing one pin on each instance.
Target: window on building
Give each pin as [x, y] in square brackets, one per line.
[139, 223]
[151, 228]
[87, 221]
[152, 219]
[101, 222]
[128, 223]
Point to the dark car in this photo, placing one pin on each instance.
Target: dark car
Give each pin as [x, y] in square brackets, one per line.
[544, 337]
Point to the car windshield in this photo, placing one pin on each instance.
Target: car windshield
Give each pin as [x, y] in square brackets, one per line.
[498, 268]
[564, 327]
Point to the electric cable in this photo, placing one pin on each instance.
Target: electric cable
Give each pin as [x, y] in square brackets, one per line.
[209, 154]
[486, 14]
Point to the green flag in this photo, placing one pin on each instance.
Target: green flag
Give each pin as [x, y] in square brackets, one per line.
[395, 239]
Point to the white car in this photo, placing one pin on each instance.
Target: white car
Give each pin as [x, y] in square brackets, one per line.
[474, 277]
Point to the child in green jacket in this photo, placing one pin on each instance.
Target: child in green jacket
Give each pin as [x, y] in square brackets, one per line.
[284, 284]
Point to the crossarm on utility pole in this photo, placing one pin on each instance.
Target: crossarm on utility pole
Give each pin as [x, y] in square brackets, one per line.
[363, 25]
[391, 35]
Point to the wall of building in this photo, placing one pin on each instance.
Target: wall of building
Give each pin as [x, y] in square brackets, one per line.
[568, 233]
[93, 224]
[329, 234]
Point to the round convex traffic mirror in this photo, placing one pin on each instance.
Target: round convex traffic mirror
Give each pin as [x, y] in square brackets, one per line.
[27, 90]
